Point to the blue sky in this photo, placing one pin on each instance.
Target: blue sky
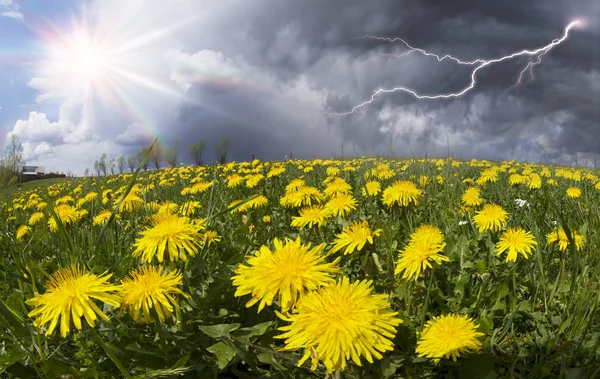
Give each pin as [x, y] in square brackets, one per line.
[20, 45]
[79, 79]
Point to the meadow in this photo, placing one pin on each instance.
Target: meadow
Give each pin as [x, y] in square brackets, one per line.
[328, 268]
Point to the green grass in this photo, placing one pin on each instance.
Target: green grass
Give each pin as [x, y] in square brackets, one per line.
[539, 316]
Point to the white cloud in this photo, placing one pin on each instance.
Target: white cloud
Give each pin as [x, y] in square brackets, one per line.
[206, 67]
[134, 134]
[10, 9]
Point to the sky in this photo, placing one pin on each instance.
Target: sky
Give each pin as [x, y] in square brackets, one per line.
[83, 78]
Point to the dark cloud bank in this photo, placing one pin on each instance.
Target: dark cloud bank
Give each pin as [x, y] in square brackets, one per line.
[556, 117]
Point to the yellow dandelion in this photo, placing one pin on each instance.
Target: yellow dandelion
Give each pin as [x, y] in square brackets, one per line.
[471, 197]
[341, 204]
[22, 231]
[294, 185]
[171, 234]
[354, 237]
[131, 203]
[288, 271]
[516, 241]
[534, 181]
[67, 214]
[491, 218]
[210, 237]
[256, 202]
[448, 336]
[573, 192]
[371, 188]
[560, 236]
[341, 322]
[68, 296]
[402, 192]
[266, 219]
[102, 217]
[189, 208]
[424, 247]
[315, 215]
[337, 186]
[35, 218]
[148, 288]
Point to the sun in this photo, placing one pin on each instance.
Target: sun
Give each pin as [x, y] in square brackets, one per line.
[97, 63]
[82, 58]
[88, 60]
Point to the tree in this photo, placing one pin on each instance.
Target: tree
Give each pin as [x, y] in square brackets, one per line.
[222, 150]
[156, 155]
[196, 151]
[112, 165]
[97, 167]
[14, 155]
[132, 162]
[102, 163]
[172, 153]
[86, 173]
[121, 164]
[140, 158]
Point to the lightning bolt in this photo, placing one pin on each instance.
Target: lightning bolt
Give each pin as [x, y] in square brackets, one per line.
[535, 56]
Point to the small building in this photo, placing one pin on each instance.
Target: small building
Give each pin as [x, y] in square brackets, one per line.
[33, 171]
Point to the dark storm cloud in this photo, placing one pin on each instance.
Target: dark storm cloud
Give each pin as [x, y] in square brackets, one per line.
[557, 113]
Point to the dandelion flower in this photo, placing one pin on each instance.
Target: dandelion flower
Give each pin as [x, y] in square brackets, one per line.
[573, 192]
[257, 202]
[189, 208]
[170, 234]
[354, 237]
[102, 217]
[491, 218]
[266, 219]
[131, 203]
[341, 204]
[559, 236]
[402, 192]
[151, 287]
[516, 241]
[471, 197]
[210, 237]
[288, 272]
[341, 322]
[371, 188]
[316, 215]
[68, 296]
[22, 231]
[337, 186]
[425, 246]
[35, 218]
[448, 336]
[67, 214]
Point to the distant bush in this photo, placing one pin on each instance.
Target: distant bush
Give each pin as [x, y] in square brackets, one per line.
[7, 178]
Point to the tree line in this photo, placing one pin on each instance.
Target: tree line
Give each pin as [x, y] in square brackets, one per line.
[118, 165]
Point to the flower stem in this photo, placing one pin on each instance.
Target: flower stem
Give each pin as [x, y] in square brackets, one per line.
[426, 299]
[112, 357]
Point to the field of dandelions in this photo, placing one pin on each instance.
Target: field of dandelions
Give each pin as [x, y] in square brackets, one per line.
[355, 268]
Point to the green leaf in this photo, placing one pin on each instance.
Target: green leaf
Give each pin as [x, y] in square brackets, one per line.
[141, 350]
[14, 319]
[477, 367]
[9, 358]
[262, 328]
[268, 358]
[220, 330]
[223, 352]
[181, 361]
